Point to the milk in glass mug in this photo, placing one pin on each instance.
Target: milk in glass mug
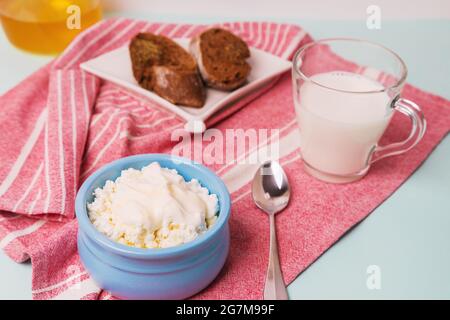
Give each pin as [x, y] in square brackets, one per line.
[345, 93]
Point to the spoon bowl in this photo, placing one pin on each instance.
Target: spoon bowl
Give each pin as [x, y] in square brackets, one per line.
[270, 188]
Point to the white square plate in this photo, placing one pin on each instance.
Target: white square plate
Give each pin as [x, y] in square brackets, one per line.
[115, 66]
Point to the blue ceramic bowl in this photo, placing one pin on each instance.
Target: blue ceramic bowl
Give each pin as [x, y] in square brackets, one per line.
[168, 273]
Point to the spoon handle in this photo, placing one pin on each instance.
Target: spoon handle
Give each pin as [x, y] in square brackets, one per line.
[274, 288]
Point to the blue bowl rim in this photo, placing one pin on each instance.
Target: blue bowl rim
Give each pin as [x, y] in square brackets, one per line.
[86, 225]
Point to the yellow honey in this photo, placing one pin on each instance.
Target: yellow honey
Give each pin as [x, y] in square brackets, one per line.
[47, 26]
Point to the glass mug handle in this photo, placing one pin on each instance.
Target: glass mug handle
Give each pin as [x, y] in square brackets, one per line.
[418, 129]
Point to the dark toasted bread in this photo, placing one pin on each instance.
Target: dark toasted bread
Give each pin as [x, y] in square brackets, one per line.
[221, 57]
[162, 66]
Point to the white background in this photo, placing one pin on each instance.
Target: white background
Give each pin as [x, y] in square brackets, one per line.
[299, 9]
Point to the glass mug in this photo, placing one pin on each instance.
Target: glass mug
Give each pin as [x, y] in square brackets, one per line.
[345, 93]
[47, 26]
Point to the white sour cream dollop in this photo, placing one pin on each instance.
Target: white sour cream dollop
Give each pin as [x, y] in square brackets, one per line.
[152, 208]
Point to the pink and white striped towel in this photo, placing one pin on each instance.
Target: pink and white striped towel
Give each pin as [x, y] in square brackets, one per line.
[61, 124]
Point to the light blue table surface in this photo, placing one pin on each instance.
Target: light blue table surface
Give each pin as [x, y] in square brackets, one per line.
[407, 237]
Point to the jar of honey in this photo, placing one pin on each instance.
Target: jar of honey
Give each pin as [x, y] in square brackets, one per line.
[47, 26]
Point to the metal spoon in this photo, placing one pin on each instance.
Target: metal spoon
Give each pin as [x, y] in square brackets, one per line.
[270, 190]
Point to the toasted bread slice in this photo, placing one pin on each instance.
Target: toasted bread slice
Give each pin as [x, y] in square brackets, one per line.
[162, 66]
[221, 57]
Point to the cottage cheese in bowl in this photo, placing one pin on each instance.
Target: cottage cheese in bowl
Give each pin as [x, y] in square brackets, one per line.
[152, 208]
